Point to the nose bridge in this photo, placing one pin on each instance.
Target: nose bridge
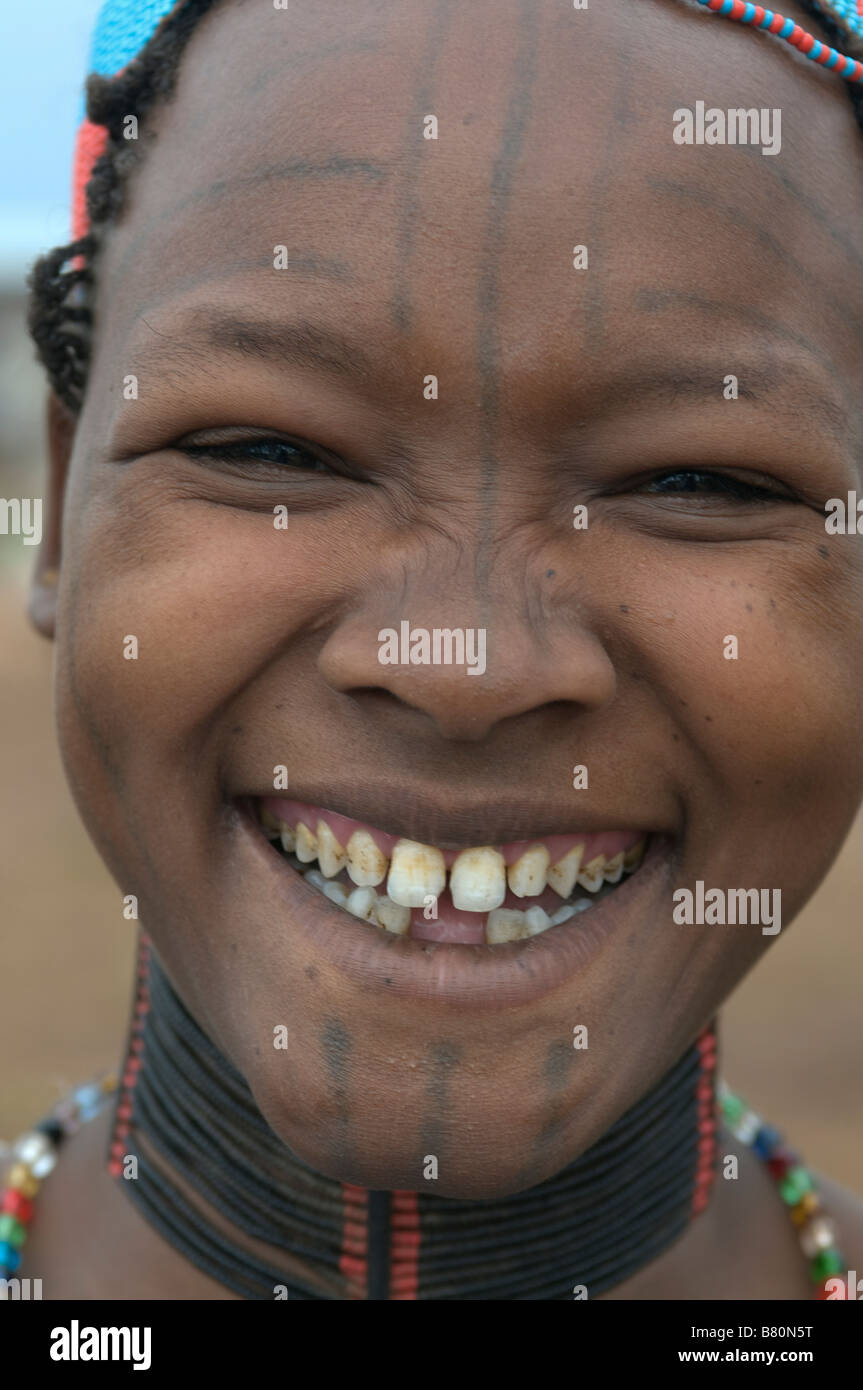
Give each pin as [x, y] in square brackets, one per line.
[469, 639]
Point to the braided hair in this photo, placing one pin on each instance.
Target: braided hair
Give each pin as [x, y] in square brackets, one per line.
[60, 318]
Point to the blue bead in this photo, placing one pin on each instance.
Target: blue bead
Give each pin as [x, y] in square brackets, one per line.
[768, 19]
[725, 6]
[748, 15]
[9, 1256]
[87, 1096]
[833, 59]
[815, 50]
[766, 1141]
[786, 29]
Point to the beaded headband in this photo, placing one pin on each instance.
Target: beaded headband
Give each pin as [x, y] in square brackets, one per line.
[848, 14]
[124, 26]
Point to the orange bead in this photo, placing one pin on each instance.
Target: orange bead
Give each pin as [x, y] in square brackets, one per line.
[22, 1180]
[809, 1203]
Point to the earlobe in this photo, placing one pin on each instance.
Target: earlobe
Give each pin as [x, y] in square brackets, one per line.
[60, 426]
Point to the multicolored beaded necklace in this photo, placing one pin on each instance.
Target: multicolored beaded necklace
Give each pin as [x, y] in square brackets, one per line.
[35, 1153]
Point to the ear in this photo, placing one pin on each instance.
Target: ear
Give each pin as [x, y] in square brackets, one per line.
[60, 426]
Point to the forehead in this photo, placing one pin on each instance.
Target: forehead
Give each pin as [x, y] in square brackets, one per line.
[305, 129]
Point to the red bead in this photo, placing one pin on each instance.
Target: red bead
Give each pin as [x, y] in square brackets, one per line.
[796, 35]
[115, 1168]
[779, 1163]
[806, 44]
[776, 24]
[737, 9]
[824, 55]
[16, 1204]
[759, 15]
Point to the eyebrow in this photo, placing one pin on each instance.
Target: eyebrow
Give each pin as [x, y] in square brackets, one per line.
[299, 342]
[788, 392]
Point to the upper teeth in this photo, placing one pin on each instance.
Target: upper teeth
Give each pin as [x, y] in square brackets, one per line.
[478, 878]
[367, 865]
[331, 856]
[477, 881]
[527, 876]
[417, 873]
[562, 875]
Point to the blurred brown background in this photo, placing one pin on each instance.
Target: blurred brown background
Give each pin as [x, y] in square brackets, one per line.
[792, 1036]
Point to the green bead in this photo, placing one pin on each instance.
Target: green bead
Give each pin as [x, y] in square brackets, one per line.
[826, 1262]
[12, 1230]
[795, 1185]
[732, 1108]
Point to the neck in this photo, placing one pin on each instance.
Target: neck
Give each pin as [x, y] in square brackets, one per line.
[219, 1186]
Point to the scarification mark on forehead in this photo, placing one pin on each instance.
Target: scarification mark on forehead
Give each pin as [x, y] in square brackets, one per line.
[305, 264]
[517, 117]
[657, 301]
[839, 235]
[415, 161]
[293, 171]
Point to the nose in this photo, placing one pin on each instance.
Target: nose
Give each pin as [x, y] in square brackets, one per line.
[516, 662]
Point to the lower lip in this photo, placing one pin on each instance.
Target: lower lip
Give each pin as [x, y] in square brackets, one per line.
[519, 972]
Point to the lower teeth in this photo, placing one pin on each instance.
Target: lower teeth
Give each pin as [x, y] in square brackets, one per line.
[501, 924]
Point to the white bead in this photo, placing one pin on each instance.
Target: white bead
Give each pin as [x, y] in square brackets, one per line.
[747, 1127]
[37, 1151]
[819, 1234]
[44, 1165]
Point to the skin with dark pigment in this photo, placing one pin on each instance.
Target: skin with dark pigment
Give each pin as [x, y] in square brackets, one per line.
[557, 387]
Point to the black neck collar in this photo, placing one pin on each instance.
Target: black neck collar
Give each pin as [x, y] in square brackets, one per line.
[618, 1206]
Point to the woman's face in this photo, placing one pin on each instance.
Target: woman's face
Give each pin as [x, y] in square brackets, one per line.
[258, 647]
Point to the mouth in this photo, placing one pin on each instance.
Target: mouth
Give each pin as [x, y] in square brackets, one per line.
[482, 895]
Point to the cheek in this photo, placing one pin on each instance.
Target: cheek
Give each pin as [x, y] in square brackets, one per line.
[762, 674]
[177, 605]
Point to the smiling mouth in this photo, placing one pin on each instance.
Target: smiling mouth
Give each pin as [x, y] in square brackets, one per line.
[488, 894]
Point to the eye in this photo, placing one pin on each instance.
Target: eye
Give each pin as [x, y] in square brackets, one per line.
[703, 483]
[269, 451]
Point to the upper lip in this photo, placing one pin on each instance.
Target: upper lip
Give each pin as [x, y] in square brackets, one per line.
[459, 822]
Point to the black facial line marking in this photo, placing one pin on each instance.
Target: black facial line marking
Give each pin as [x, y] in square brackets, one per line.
[704, 198]
[401, 307]
[436, 1126]
[302, 170]
[336, 1047]
[304, 264]
[810, 203]
[515, 126]
[556, 1074]
[593, 303]
[653, 301]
